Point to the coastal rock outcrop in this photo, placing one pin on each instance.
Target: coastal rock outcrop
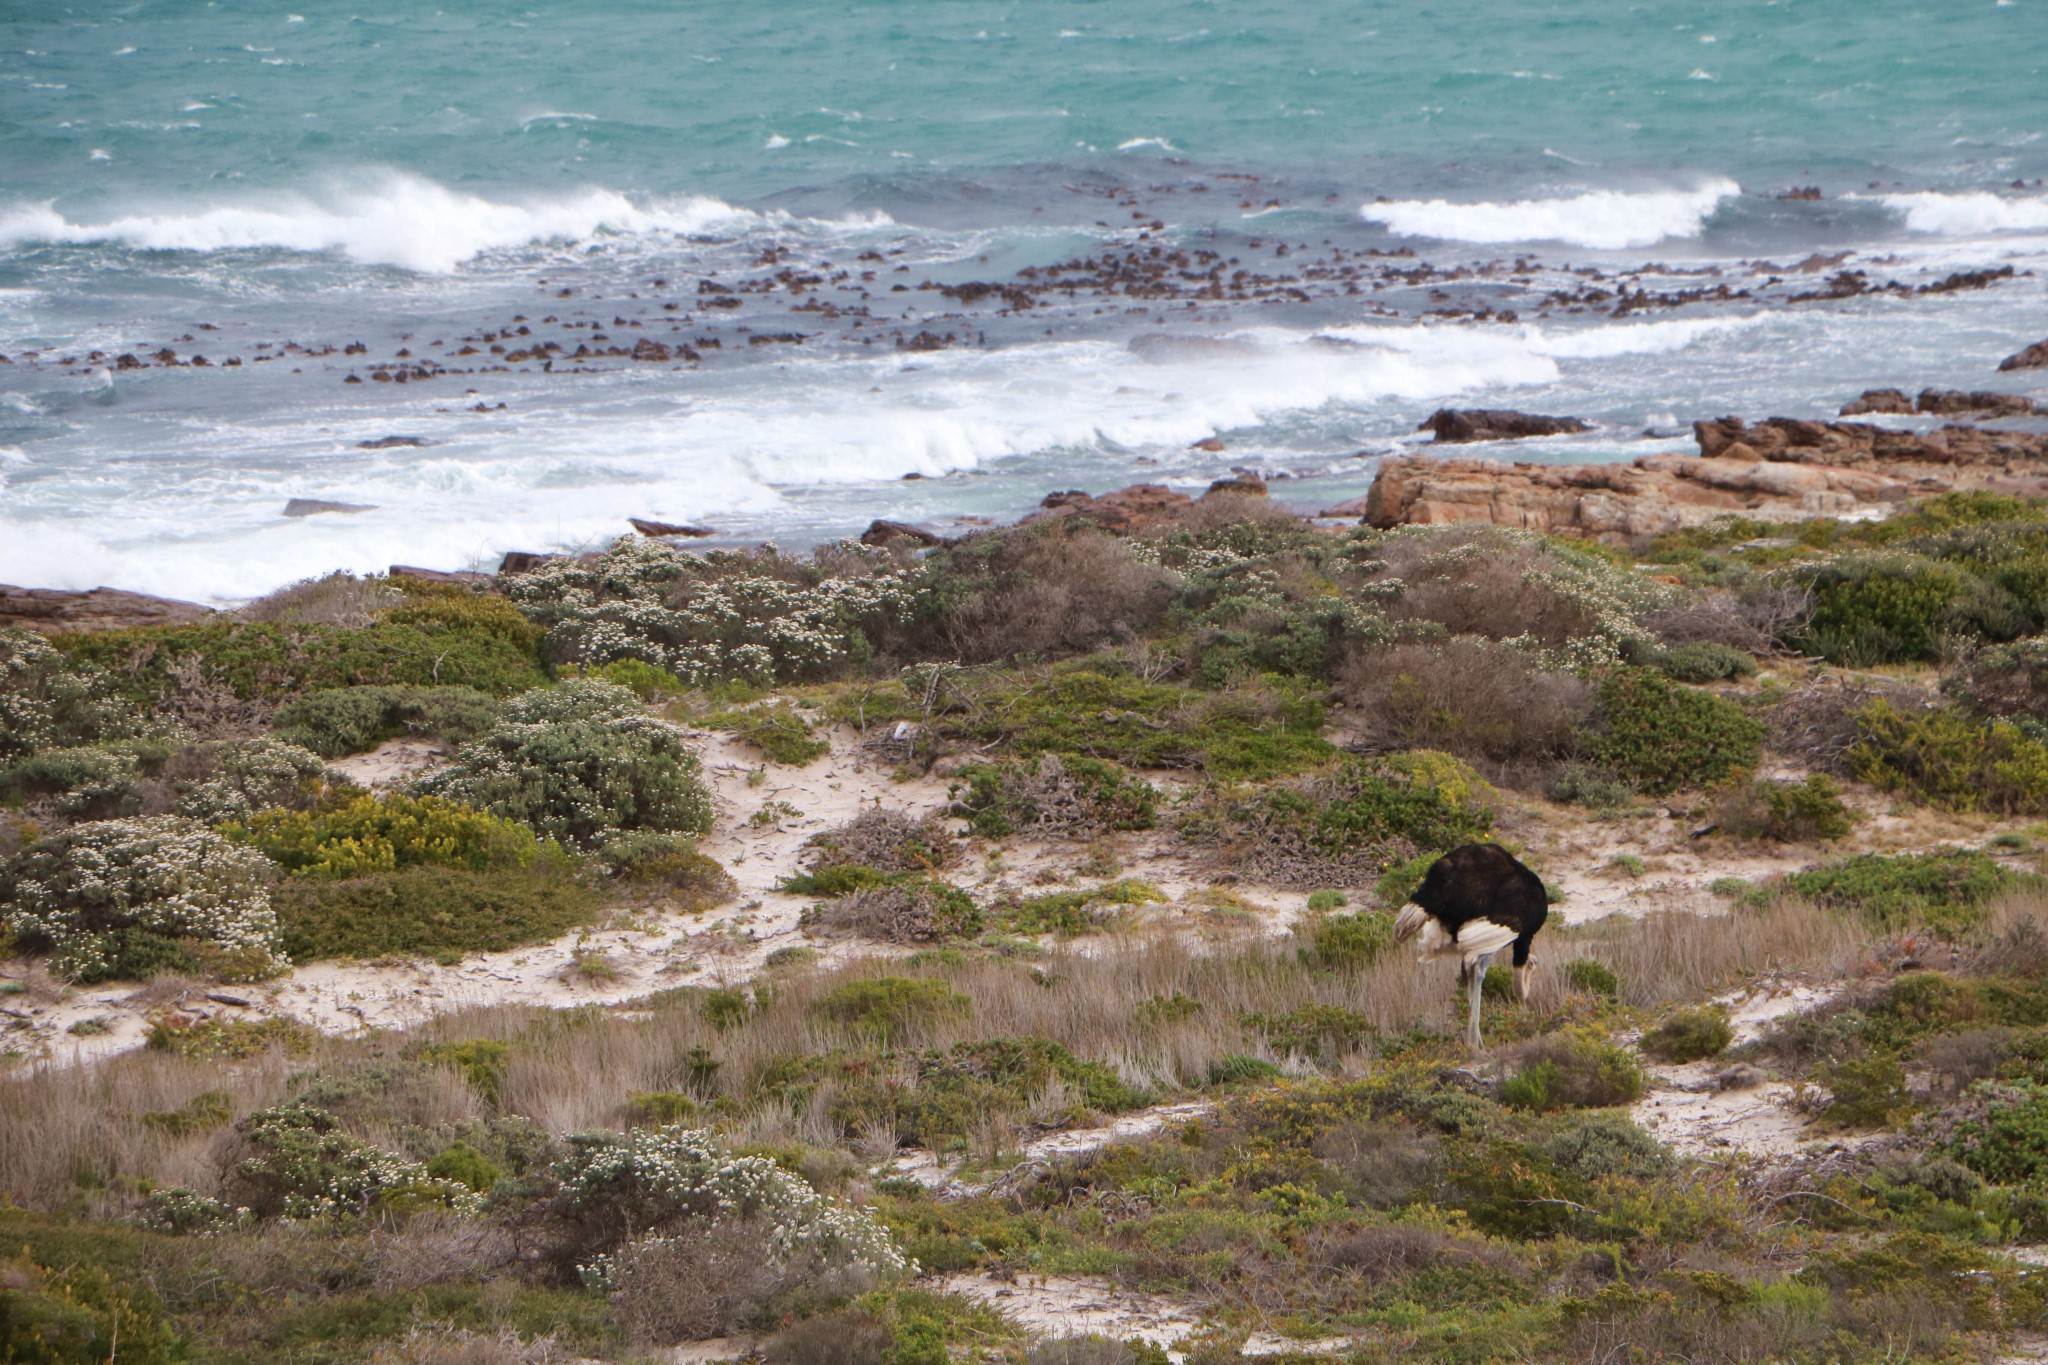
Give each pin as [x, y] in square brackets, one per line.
[882, 531]
[1892, 402]
[2035, 357]
[1455, 426]
[660, 529]
[54, 609]
[313, 507]
[1777, 469]
[1959, 403]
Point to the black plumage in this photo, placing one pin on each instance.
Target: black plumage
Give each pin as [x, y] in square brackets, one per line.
[1476, 900]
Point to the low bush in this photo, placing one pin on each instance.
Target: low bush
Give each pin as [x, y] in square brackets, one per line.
[101, 781]
[338, 599]
[754, 615]
[1596, 1146]
[81, 1314]
[692, 881]
[232, 779]
[891, 1006]
[778, 730]
[1788, 812]
[1569, 1072]
[1892, 607]
[51, 701]
[580, 763]
[1325, 1033]
[1083, 910]
[1661, 737]
[1481, 700]
[354, 720]
[1055, 795]
[918, 911]
[888, 841]
[373, 834]
[203, 1038]
[2004, 682]
[1690, 1035]
[1949, 890]
[1592, 977]
[1345, 943]
[1348, 824]
[2007, 1139]
[1702, 661]
[124, 897]
[1950, 761]
[295, 1161]
[1866, 1092]
[439, 912]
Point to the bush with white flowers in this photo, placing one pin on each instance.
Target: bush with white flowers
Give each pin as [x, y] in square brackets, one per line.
[87, 893]
[660, 1179]
[47, 701]
[758, 615]
[297, 1163]
[249, 775]
[579, 763]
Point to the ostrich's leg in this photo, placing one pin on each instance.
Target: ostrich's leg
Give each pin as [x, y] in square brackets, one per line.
[1475, 983]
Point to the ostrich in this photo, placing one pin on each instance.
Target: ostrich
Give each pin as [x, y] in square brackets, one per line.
[1476, 900]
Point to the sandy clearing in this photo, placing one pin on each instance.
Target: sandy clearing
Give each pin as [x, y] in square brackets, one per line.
[1076, 1305]
[930, 1169]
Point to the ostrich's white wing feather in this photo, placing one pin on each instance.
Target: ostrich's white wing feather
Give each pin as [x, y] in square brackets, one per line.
[1478, 937]
[1409, 922]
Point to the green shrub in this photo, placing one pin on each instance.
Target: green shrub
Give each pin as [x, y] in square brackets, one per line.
[1592, 977]
[489, 647]
[902, 910]
[93, 893]
[464, 1165]
[373, 834]
[244, 776]
[1789, 812]
[1949, 890]
[1867, 1091]
[354, 720]
[1662, 737]
[89, 782]
[2008, 1144]
[1570, 1072]
[1347, 943]
[1898, 608]
[757, 615]
[479, 1061]
[1322, 902]
[1595, 1146]
[1590, 787]
[1085, 910]
[2004, 682]
[1348, 824]
[1950, 761]
[208, 1039]
[296, 1162]
[1690, 1035]
[889, 1006]
[1703, 661]
[1233, 1068]
[646, 680]
[1067, 796]
[693, 882]
[580, 763]
[440, 912]
[1324, 1032]
[81, 1314]
[50, 701]
[778, 730]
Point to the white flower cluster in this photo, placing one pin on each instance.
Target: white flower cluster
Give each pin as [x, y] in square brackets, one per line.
[164, 874]
[724, 614]
[185, 1210]
[317, 1171]
[49, 700]
[251, 775]
[672, 1172]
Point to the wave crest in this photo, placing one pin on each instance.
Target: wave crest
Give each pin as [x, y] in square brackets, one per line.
[1968, 215]
[1597, 219]
[391, 219]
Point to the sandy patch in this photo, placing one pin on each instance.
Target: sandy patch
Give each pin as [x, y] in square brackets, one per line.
[1074, 1305]
[392, 764]
[932, 1171]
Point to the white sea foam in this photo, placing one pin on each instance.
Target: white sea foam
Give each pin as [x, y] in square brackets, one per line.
[387, 218]
[1135, 143]
[1599, 219]
[1969, 215]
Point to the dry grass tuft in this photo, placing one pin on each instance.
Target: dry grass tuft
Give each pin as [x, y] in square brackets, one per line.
[339, 599]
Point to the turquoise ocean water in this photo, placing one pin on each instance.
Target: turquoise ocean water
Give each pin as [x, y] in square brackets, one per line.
[279, 188]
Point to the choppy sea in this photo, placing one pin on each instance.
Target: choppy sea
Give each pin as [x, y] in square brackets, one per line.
[1293, 225]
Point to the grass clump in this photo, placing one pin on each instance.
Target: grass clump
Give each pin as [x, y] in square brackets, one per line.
[919, 910]
[1690, 1035]
[1345, 943]
[1055, 795]
[1950, 761]
[354, 720]
[1592, 977]
[580, 763]
[1948, 891]
[1084, 910]
[212, 1039]
[1660, 737]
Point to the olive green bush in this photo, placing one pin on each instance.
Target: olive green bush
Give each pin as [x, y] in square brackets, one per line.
[1951, 761]
[1894, 607]
[354, 720]
[1057, 795]
[1662, 737]
[383, 833]
[1788, 812]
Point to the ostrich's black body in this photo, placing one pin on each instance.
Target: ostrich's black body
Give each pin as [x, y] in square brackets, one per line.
[1485, 881]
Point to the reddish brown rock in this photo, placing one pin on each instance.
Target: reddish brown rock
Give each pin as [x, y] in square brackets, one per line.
[1128, 511]
[1461, 425]
[468, 577]
[2035, 357]
[1957, 403]
[1893, 402]
[523, 561]
[1213, 444]
[1779, 469]
[1248, 485]
[669, 528]
[313, 507]
[54, 609]
[884, 532]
